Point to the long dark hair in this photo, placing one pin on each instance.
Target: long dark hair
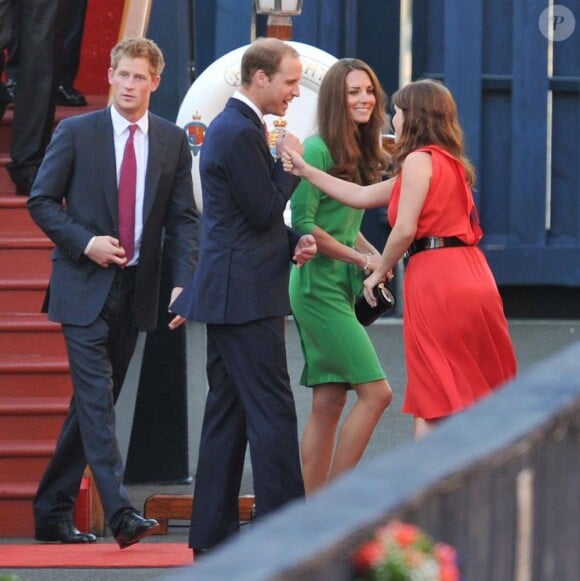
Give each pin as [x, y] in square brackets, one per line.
[430, 119]
[355, 148]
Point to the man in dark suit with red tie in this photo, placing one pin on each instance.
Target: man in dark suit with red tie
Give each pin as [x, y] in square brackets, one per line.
[240, 290]
[114, 186]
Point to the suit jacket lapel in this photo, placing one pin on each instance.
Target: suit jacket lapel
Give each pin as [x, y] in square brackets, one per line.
[245, 110]
[157, 148]
[104, 149]
[248, 112]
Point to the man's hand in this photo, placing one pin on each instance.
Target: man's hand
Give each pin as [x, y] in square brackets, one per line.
[178, 320]
[107, 250]
[305, 250]
[293, 162]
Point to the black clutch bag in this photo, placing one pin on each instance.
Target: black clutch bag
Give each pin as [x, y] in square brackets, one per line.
[366, 314]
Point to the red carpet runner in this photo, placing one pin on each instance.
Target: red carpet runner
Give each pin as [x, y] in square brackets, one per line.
[98, 555]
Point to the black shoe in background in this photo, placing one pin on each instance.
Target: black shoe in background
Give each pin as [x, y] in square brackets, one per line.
[69, 97]
[11, 90]
[63, 532]
[22, 178]
[4, 99]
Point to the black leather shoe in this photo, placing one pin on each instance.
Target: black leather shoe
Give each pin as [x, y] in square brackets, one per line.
[132, 527]
[63, 532]
[11, 90]
[23, 178]
[69, 97]
[4, 99]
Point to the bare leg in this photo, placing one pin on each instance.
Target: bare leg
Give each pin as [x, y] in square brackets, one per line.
[422, 427]
[372, 400]
[318, 439]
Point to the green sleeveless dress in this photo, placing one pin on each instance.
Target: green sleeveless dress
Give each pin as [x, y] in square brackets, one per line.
[336, 347]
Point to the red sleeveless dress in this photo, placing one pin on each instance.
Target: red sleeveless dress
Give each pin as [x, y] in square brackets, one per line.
[457, 343]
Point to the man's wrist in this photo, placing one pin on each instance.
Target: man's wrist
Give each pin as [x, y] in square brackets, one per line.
[89, 245]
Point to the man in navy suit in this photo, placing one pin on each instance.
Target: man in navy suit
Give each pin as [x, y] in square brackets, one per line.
[240, 290]
[101, 292]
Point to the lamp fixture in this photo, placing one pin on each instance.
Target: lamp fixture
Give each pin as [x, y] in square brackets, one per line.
[279, 7]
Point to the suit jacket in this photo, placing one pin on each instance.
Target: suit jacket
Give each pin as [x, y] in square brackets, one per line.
[245, 247]
[74, 197]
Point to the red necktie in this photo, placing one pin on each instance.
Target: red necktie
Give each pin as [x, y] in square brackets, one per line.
[127, 187]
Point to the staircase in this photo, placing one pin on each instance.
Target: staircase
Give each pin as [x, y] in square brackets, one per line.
[35, 386]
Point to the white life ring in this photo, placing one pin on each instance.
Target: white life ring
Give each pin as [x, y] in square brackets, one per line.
[208, 94]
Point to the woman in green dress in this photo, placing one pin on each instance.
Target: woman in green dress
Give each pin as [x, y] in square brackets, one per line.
[338, 352]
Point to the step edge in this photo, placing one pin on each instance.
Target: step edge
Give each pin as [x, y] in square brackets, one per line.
[26, 448]
[32, 365]
[14, 490]
[12, 201]
[26, 322]
[15, 242]
[42, 406]
[23, 284]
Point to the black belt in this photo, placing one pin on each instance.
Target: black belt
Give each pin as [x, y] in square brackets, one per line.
[432, 242]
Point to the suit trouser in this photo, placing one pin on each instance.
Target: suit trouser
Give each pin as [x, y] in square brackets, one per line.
[249, 400]
[5, 27]
[73, 29]
[35, 102]
[99, 356]
[73, 25]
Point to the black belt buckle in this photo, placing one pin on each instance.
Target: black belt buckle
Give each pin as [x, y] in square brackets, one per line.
[432, 243]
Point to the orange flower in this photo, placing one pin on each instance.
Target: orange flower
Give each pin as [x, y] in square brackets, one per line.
[369, 555]
[445, 554]
[447, 558]
[406, 534]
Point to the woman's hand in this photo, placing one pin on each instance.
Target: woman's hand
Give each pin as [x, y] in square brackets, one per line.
[371, 282]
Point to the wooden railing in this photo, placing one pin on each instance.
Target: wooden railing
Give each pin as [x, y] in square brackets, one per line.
[498, 482]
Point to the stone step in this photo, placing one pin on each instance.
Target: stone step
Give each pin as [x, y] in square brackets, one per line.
[22, 295]
[29, 376]
[15, 220]
[16, 518]
[25, 257]
[28, 334]
[22, 460]
[39, 418]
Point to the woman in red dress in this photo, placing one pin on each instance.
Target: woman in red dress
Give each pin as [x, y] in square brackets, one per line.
[457, 343]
